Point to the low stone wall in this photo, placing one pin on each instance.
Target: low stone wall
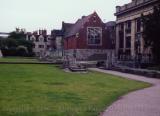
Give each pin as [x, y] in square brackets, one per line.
[142, 72]
[84, 54]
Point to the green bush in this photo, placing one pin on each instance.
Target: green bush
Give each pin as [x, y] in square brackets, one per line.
[21, 51]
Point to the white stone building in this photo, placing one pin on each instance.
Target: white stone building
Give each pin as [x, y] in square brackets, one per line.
[42, 42]
[129, 39]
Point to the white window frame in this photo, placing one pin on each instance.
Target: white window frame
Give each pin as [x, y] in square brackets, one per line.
[100, 37]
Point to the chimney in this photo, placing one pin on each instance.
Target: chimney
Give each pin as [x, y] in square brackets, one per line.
[40, 32]
[35, 33]
[44, 32]
[83, 17]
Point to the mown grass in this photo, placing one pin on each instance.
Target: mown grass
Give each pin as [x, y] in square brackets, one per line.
[18, 59]
[44, 90]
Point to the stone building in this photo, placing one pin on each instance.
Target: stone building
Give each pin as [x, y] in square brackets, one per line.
[57, 42]
[129, 40]
[42, 41]
[88, 39]
[57, 36]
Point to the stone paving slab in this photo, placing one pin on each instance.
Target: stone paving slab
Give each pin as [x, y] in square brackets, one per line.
[145, 102]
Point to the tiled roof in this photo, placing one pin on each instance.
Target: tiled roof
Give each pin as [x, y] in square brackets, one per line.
[110, 23]
[78, 25]
[66, 27]
[72, 29]
[57, 33]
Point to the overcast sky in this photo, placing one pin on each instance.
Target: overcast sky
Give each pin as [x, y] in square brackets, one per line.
[49, 14]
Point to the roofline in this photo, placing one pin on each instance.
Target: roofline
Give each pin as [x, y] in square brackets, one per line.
[134, 8]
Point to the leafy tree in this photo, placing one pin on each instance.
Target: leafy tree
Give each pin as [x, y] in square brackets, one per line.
[151, 32]
[17, 35]
[22, 51]
[12, 43]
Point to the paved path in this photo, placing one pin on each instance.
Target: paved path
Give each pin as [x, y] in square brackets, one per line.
[145, 102]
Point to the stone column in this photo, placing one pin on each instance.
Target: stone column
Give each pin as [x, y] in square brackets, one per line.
[133, 36]
[142, 41]
[1, 54]
[117, 39]
[124, 39]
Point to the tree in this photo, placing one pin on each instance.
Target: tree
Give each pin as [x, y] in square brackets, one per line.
[22, 51]
[10, 45]
[151, 32]
[17, 35]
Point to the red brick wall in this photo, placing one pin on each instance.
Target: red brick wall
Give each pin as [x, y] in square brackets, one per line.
[81, 42]
[70, 43]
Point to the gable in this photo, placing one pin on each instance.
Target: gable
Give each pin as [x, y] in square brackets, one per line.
[74, 29]
[95, 19]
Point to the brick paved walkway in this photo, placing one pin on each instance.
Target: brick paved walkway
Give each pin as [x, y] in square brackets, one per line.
[145, 102]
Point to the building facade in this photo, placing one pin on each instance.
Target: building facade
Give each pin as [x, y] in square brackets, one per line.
[129, 40]
[87, 39]
[42, 42]
[57, 37]
[57, 42]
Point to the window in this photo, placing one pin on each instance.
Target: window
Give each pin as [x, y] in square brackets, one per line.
[48, 46]
[41, 39]
[41, 46]
[37, 39]
[121, 27]
[128, 26]
[138, 25]
[94, 35]
[128, 42]
[121, 39]
[45, 39]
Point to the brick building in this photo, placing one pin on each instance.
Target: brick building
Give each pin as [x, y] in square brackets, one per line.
[88, 39]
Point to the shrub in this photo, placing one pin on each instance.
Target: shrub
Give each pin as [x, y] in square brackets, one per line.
[21, 51]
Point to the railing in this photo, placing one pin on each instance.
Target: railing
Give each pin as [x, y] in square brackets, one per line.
[145, 58]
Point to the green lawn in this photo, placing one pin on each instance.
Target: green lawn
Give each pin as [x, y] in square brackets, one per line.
[18, 59]
[44, 90]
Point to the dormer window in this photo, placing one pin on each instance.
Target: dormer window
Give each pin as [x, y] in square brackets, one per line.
[41, 39]
[37, 39]
[45, 39]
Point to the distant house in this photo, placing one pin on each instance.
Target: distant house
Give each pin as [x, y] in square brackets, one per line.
[57, 42]
[57, 36]
[42, 41]
[88, 39]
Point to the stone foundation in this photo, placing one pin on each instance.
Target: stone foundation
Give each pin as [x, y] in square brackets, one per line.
[87, 54]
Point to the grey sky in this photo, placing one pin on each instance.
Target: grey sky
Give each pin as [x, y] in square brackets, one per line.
[49, 14]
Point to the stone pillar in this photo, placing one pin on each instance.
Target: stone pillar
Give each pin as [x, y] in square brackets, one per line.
[142, 41]
[1, 54]
[124, 39]
[133, 31]
[117, 39]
